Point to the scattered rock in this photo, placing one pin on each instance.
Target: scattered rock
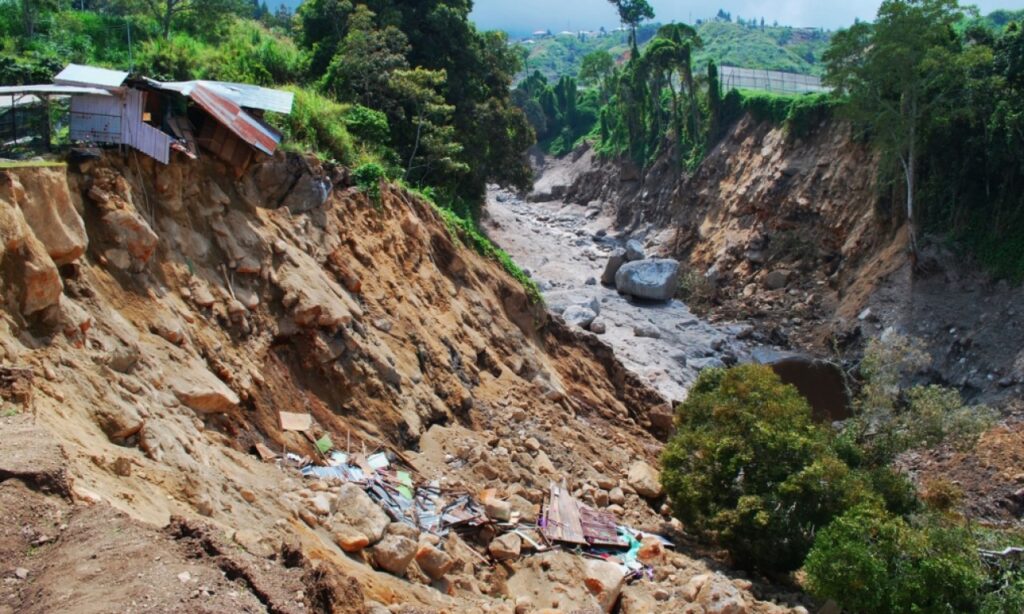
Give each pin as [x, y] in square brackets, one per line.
[647, 330]
[435, 563]
[505, 547]
[604, 580]
[615, 262]
[350, 540]
[598, 327]
[655, 280]
[776, 280]
[21, 573]
[203, 392]
[394, 553]
[645, 480]
[634, 251]
[355, 508]
[498, 510]
[577, 315]
[719, 596]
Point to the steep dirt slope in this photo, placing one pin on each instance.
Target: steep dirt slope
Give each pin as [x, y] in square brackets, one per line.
[157, 319]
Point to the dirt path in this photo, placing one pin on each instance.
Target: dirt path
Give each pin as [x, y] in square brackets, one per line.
[565, 248]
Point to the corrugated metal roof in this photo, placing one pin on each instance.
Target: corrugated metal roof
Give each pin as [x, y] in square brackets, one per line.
[90, 76]
[242, 94]
[228, 113]
[55, 90]
[255, 97]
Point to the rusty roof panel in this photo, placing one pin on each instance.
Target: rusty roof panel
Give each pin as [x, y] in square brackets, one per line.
[228, 113]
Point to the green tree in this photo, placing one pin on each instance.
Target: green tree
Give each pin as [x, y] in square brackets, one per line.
[205, 11]
[632, 12]
[434, 148]
[595, 69]
[322, 25]
[870, 561]
[748, 468]
[363, 66]
[891, 71]
[684, 41]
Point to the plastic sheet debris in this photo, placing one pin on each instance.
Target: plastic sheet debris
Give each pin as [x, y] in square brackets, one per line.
[324, 444]
[405, 487]
[378, 461]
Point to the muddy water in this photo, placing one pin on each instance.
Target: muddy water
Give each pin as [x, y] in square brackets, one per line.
[565, 249]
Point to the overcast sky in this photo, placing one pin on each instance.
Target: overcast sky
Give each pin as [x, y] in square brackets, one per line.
[530, 15]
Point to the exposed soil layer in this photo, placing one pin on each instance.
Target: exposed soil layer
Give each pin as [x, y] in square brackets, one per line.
[155, 321]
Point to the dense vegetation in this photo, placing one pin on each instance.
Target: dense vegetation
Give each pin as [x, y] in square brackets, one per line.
[404, 90]
[726, 42]
[940, 94]
[750, 470]
[410, 86]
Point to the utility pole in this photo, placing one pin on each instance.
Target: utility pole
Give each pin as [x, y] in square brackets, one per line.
[131, 62]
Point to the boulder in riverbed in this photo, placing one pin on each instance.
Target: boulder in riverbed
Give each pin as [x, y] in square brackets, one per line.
[615, 262]
[578, 315]
[655, 280]
[634, 251]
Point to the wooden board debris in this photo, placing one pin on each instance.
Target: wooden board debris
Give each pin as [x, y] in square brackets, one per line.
[562, 520]
[295, 422]
[265, 453]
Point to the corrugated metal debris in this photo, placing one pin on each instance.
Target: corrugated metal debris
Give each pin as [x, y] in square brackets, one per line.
[91, 76]
[566, 523]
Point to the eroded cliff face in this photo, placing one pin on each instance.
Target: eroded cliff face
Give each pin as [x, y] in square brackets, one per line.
[783, 231]
[157, 319]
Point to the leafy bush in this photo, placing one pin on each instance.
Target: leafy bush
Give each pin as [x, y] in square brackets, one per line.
[749, 468]
[870, 561]
[367, 124]
[316, 124]
[799, 114]
[249, 53]
[695, 289]
[368, 178]
[891, 419]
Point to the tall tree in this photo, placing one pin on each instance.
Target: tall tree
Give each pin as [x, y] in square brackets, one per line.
[595, 69]
[632, 12]
[208, 11]
[890, 71]
[683, 41]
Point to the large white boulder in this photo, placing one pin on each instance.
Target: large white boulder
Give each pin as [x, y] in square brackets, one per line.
[655, 280]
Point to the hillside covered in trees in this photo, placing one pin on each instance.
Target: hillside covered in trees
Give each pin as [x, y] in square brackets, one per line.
[408, 90]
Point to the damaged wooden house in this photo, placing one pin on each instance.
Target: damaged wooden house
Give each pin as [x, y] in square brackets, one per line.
[109, 107]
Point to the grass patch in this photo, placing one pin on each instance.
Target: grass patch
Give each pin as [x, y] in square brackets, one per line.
[801, 114]
[464, 232]
[8, 165]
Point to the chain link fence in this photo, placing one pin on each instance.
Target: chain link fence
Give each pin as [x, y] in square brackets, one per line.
[770, 80]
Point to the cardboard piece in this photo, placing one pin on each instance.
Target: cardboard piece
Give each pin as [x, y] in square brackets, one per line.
[295, 422]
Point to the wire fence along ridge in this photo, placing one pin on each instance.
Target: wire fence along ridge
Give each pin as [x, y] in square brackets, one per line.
[770, 80]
